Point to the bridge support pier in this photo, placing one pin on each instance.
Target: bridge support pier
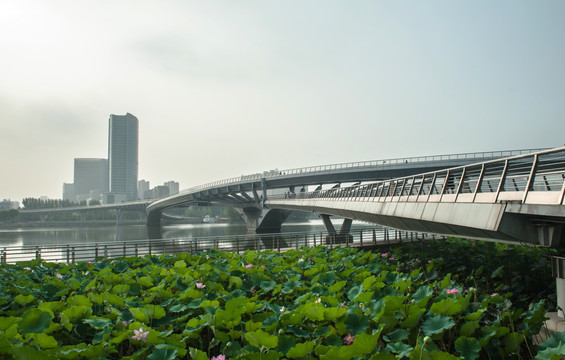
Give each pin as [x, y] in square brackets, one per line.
[118, 216]
[251, 216]
[334, 236]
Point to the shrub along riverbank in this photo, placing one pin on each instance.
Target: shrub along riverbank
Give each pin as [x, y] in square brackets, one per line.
[427, 300]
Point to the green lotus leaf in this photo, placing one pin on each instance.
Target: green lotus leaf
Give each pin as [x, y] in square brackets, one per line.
[300, 350]
[555, 352]
[177, 308]
[422, 294]
[368, 282]
[235, 282]
[237, 304]
[44, 341]
[102, 265]
[553, 341]
[339, 353]
[441, 355]
[397, 335]
[267, 285]
[297, 331]
[232, 348]
[334, 313]
[164, 354]
[120, 266]
[120, 289]
[400, 348]
[445, 282]
[98, 323]
[79, 300]
[6, 322]
[27, 352]
[314, 312]
[260, 338]
[468, 347]
[512, 342]
[291, 286]
[5, 344]
[252, 325]
[449, 306]
[475, 315]
[24, 299]
[337, 286]
[437, 324]
[196, 354]
[145, 281]
[180, 264]
[413, 314]
[365, 343]
[468, 329]
[286, 343]
[356, 323]
[34, 321]
[227, 319]
[354, 292]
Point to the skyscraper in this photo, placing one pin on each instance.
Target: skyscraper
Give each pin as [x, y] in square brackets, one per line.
[91, 175]
[123, 156]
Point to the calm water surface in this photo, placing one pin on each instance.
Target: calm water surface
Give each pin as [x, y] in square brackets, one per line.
[99, 234]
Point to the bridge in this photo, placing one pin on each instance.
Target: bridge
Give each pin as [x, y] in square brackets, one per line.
[248, 193]
[517, 199]
[139, 206]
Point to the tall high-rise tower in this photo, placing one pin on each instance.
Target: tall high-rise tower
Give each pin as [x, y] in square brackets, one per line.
[122, 156]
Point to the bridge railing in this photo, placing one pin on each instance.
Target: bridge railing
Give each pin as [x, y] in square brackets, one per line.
[73, 253]
[536, 178]
[385, 163]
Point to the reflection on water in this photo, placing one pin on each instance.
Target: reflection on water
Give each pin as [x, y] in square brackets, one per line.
[102, 234]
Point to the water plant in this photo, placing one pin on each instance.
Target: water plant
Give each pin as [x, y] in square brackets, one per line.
[311, 303]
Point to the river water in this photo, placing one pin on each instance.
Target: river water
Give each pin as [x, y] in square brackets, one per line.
[101, 234]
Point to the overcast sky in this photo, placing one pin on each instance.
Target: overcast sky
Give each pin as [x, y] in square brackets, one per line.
[225, 88]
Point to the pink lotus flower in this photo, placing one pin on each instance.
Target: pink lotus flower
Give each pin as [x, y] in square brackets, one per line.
[140, 335]
[59, 276]
[200, 285]
[452, 291]
[219, 357]
[248, 266]
[384, 254]
[348, 339]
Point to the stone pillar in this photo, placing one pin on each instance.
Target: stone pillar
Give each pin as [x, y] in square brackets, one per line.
[333, 236]
[251, 216]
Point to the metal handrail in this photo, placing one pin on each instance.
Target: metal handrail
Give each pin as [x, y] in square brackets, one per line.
[513, 179]
[73, 253]
[385, 163]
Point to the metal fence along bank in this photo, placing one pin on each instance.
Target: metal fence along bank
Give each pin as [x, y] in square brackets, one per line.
[280, 242]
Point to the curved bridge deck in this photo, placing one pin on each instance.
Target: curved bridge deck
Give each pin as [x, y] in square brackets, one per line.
[518, 199]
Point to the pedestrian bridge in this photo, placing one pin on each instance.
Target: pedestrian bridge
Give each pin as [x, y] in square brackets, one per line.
[515, 199]
[248, 193]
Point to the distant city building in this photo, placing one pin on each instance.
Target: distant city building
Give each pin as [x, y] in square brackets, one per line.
[69, 192]
[142, 188]
[160, 191]
[6, 204]
[173, 187]
[123, 157]
[168, 188]
[91, 178]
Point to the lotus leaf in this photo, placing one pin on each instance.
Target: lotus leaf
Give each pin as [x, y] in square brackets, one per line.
[437, 324]
[468, 347]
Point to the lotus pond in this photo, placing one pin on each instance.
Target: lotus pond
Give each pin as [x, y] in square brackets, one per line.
[448, 299]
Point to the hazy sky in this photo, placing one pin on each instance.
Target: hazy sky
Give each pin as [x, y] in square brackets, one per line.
[225, 88]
